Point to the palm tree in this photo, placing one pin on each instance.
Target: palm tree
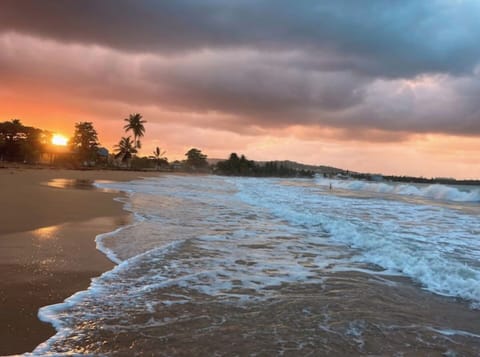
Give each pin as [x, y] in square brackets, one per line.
[158, 153]
[159, 156]
[135, 124]
[125, 150]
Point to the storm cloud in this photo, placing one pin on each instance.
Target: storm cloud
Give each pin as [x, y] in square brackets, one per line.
[388, 38]
[377, 66]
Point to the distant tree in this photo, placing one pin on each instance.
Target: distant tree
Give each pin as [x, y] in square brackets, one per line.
[85, 142]
[142, 163]
[125, 150]
[12, 134]
[177, 165]
[240, 166]
[196, 159]
[158, 153]
[135, 124]
[159, 157]
[21, 143]
[35, 143]
[3, 143]
[236, 166]
[246, 167]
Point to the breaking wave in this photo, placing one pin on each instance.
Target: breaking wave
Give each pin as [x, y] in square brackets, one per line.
[434, 192]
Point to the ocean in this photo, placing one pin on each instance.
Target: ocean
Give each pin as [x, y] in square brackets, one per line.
[224, 266]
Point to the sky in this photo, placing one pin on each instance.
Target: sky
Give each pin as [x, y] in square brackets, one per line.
[374, 86]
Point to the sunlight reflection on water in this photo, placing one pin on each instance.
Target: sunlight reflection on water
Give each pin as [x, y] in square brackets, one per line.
[82, 184]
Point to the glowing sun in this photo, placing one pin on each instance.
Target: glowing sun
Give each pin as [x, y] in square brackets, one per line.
[59, 140]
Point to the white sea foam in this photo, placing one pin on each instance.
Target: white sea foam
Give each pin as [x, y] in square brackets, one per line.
[240, 240]
[435, 191]
[434, 246]
[107, 251]
[112, 288]
[451, 332]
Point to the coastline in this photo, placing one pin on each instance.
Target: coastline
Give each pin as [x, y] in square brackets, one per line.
[47, 244]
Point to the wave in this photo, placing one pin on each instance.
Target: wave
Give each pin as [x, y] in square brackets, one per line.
[431, 245]
[434, 192]
[194, 241]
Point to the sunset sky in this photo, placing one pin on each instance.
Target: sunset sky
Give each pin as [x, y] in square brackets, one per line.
[371, 86]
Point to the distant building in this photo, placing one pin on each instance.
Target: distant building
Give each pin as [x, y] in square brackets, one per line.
[102, 152]
[102, 155]
[177, 165]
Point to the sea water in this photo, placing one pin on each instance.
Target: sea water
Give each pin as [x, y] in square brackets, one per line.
[248, 266]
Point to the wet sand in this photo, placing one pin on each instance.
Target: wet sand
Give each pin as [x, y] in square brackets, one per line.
[47, 247]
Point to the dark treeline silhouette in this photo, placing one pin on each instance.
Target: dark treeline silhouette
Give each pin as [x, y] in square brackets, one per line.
[236, 166]
[125, 150]
[241, 166]
[20, 143]
[413, 179]
[84, 143]
[25, 144]
[30, 145]
[196, 160]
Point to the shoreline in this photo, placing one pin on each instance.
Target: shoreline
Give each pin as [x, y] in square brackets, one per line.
[47, 244]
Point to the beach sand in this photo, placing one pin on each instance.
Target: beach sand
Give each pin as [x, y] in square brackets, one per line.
[47, 247]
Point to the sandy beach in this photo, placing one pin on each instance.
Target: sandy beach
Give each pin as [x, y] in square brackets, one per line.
[47, 247]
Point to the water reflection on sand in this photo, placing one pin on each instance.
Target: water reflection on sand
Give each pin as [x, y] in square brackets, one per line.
[81, 184]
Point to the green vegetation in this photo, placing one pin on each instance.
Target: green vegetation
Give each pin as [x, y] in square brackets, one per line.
[21, 143]
[240, 166]
[31, 145]
[135, 124]
[236, 166]
[196, 160]
[413, 179]
[125, 150]
[159, 157]
[84, 143]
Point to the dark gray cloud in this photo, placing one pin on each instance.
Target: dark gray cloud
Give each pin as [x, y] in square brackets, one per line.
[384, 67]
[253, 85]
[384, 38]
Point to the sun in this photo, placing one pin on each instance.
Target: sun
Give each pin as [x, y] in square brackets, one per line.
[59, 140]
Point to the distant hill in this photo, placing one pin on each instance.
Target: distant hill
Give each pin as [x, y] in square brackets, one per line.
[329, 170]
[214, 161]
[319, 169]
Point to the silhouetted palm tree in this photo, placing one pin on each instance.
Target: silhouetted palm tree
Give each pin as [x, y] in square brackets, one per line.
[125, 150]
[159, 156]
[135, 124]
[158, 153]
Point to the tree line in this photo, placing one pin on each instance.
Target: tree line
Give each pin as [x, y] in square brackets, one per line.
[20, 143]
[241, 166]
[26, 144]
